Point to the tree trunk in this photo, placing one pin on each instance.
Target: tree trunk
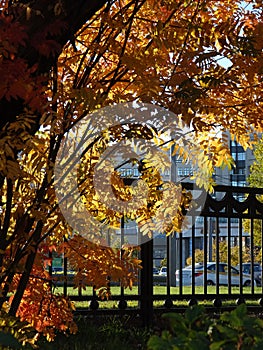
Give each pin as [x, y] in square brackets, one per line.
[26, 274]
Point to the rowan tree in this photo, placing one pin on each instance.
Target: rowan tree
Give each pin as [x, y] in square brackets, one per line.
[59, 64]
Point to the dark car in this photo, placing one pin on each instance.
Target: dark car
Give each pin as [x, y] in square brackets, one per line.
[155, 271]
[57, 269]
[59, 278]
[246, 268]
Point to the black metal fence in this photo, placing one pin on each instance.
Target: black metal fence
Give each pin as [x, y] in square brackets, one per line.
[226, 229]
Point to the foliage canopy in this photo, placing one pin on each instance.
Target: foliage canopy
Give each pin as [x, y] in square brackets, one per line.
[202, 60]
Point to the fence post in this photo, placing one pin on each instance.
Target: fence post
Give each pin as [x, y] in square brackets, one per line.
[173, 259]
[146, 283]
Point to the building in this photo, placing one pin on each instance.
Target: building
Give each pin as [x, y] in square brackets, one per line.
[181, 172]
[235, 177]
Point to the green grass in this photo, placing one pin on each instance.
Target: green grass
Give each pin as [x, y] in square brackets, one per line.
[160, 290]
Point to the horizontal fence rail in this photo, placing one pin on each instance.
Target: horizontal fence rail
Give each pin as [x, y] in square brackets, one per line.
[224, 232]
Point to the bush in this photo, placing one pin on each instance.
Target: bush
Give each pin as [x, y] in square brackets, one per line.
[111, 334]
[196, 330]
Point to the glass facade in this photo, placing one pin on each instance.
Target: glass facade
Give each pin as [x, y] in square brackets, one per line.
[238, 173]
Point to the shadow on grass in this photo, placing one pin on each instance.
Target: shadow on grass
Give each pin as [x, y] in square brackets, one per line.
[112, 334]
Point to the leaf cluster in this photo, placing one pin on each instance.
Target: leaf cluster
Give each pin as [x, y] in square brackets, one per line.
[196, 329]
[44, 310]
[96, 265]
[15, 333]
[140, 50]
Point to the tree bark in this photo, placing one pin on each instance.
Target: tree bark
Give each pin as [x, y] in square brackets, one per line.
[26, 274]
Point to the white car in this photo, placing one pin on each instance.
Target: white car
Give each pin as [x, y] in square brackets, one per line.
[163, 271]
[199, 273]
[246, 268]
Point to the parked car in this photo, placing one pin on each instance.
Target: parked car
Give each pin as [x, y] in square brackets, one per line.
[59, 278]
[57, 269]
[199, 272]
[159, 279]
[163, 271]
[246, 268]
[155, 271]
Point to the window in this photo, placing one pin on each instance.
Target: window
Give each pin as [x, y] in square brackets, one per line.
[241, 171]
[199, 220]
[188, 171]
[136, 172]
[238, 156]
[238, 171]
[211, 267]
[180, 172]
[222, 220]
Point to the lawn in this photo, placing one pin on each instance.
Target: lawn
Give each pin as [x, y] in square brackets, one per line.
[159, 290]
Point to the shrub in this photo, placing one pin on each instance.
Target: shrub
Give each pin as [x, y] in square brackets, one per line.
[196, 330]
[111, 334]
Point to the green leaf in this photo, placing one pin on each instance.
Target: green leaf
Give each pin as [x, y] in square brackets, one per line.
[194, 313]
[218, 345]
[157, 343]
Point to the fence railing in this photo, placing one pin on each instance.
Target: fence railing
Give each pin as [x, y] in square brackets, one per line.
[224, 232]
